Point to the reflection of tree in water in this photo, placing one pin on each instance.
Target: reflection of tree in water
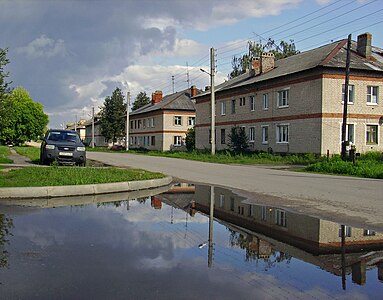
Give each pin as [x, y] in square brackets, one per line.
[251, 245]
[5, 225]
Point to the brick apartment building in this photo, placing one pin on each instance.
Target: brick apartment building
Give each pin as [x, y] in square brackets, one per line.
[295, 105]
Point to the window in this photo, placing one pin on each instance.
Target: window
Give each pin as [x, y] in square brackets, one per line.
[139, 124]
[283, 98]
[131, 140]
[265, 101]
[221, 201]
[135, 124]
[131, 124]
[350, 99]
[265, 134]
[280, 218]
[242, 101]
[350, 133]
[153, 140]
[251, 134]
[367, 232]
[223, 136]
[372, 134]
[191, 121]
[252, 103]
[263, 213]
[177, 140]
[251, 210]
[178, 120]
[232, 203]
[347, 231]
[372, 94]
[282, 133]
[223, 108]
[152, 122]
[233, 106]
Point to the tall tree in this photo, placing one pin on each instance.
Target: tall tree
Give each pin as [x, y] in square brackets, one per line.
[238, 140]
[4, 85]
[24, 119]
[242, 63]
[141, 100]
[113, 114]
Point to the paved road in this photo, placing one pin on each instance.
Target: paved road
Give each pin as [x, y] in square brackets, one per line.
[340, 198]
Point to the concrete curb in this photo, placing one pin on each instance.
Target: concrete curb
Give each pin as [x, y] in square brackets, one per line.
[81, 190]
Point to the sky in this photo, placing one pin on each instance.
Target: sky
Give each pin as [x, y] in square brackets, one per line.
[71, 54]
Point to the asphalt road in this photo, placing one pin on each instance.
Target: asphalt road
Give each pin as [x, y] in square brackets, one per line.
[350, 200]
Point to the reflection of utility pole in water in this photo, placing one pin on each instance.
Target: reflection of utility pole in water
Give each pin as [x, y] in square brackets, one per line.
[211, 219]
[343, 249]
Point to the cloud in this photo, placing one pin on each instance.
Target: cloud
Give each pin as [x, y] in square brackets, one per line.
[43, 46]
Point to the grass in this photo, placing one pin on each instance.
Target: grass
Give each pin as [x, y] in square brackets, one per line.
[369, 165]
[56, 176]
[227, 157]
[4, 152]
[30, 152]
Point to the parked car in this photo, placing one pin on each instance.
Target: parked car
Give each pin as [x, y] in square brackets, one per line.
[63, 146]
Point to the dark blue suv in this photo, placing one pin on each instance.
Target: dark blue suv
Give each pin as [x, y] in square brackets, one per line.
[63, 146]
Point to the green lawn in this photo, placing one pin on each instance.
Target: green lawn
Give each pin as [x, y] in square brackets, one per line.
[56, 176]
[31, 152]
[4, 152]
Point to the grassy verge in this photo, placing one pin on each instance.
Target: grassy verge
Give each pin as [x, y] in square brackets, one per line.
[226, 157]
[369, 165]
[56, 176]
[30, 152]
[4, 152]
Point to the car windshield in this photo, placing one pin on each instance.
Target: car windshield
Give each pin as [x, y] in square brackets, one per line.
[63, 136]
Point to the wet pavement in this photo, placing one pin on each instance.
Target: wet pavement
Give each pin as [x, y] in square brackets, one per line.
[163, 244]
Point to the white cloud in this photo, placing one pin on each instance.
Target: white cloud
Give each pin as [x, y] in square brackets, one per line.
[43, 46]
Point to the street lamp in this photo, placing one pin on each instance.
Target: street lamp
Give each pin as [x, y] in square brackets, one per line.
[212, 100]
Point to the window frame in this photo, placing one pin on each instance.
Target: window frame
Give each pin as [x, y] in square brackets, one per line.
[191, 121]
[351, 91]
[280, 217]
[284, 141]
[223, 108]
[177, 119]
[370, 89]
[175, 140]
[252, 103]
[376, 134]
[251, 134]
[233, 105]
[283, 102]
[242, 101]
[265, 141]
[223, 136]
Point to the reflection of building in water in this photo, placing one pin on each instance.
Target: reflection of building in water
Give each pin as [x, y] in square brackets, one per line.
[156, 202]
[262, 230]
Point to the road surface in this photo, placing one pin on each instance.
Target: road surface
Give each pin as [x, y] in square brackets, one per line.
[353, 201]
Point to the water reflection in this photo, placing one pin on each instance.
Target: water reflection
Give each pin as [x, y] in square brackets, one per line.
[147, 246]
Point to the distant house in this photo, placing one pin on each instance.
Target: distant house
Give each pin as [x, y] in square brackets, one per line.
[163, 123]
[79, 127]
[295, 105]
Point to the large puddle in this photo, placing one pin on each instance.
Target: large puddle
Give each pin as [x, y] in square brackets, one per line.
[163, 244]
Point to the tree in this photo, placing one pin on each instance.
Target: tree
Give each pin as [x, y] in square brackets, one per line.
[113, 115]
[24, 119]
[4, 86]
[141, 100]
[190, 139]
[238, 141]
[241, 64]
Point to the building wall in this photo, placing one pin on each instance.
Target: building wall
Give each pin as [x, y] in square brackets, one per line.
[360, 113]
[163, 131]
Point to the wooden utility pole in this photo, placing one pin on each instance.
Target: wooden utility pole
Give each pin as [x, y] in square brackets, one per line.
[92, 127]
[127, 121]
[345, 100]
[212, 73]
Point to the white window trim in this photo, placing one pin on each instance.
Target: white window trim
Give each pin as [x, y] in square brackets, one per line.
[288, 98]
[180, 119]
[377, 137]
[262, 136]
[180, 140]
[263, 101]
[377, 95]
[252, 103]
[223, 108]
[348, 99]
[277, 133]
[253, 137]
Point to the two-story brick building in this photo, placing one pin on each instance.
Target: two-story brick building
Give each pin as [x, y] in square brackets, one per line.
[295, 105]
[162, 124]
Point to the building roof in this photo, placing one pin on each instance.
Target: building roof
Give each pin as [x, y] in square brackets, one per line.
[332, 55]
[177, 101]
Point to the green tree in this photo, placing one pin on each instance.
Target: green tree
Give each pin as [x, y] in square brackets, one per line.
[190, 139]
[238, 141]
[242, 63]
[113, 114]
[141, 100]
[4, 85]
[25, 119]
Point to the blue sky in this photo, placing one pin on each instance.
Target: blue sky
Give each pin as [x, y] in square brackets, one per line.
[71, 54]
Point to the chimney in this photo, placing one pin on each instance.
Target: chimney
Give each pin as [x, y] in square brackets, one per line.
[263, 64]
[193, 91]
[364, 45]
[156, 97]
[255, 66]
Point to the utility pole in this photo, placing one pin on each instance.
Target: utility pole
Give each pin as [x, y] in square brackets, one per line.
[345, 100]
[212, 73]
[187, 75]
[127, 121]
[75, 123]
[92, 127]
[211, 220]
